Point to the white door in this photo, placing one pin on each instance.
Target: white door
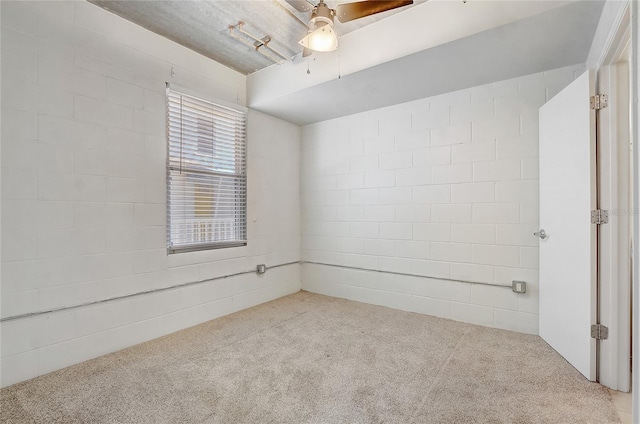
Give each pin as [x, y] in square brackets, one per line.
[567, 196]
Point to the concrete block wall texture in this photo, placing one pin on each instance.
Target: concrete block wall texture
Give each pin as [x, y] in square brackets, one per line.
[83, 190]
[439, 189]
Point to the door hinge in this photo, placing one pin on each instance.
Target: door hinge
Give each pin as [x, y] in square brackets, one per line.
[599, 332]
[599, 101]
[599, 216]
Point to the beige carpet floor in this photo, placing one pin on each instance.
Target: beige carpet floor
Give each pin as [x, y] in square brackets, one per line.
[308, 358]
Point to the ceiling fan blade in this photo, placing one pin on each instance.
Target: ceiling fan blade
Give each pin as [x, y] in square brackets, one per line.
[301, 5]
[306, 52]
[350, 11]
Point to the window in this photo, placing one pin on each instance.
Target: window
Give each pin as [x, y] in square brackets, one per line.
[206, 175]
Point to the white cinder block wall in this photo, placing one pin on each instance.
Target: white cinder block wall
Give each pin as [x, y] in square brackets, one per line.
[83, 190]
[444, 187]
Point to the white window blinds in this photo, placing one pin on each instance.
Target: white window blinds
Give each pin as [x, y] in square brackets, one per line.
[206, 176]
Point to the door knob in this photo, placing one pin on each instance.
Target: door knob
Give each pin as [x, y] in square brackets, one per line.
[542, 234]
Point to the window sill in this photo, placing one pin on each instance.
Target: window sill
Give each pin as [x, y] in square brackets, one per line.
[211, 246]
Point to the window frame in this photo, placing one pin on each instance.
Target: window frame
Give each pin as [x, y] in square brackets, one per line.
[244, 199]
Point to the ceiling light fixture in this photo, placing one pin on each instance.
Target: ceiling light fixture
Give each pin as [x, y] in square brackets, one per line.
[321, 36]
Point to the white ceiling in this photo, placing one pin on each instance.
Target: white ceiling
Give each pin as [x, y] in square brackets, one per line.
[430, 48]
[559, 36]
[203, 25]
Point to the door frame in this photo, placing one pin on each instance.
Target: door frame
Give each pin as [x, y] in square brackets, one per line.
[614, 179]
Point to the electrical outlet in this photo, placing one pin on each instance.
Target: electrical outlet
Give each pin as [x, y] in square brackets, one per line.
[261, 269]
[519, 286]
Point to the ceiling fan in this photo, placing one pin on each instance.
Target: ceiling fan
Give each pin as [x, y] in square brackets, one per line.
[320, 36]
